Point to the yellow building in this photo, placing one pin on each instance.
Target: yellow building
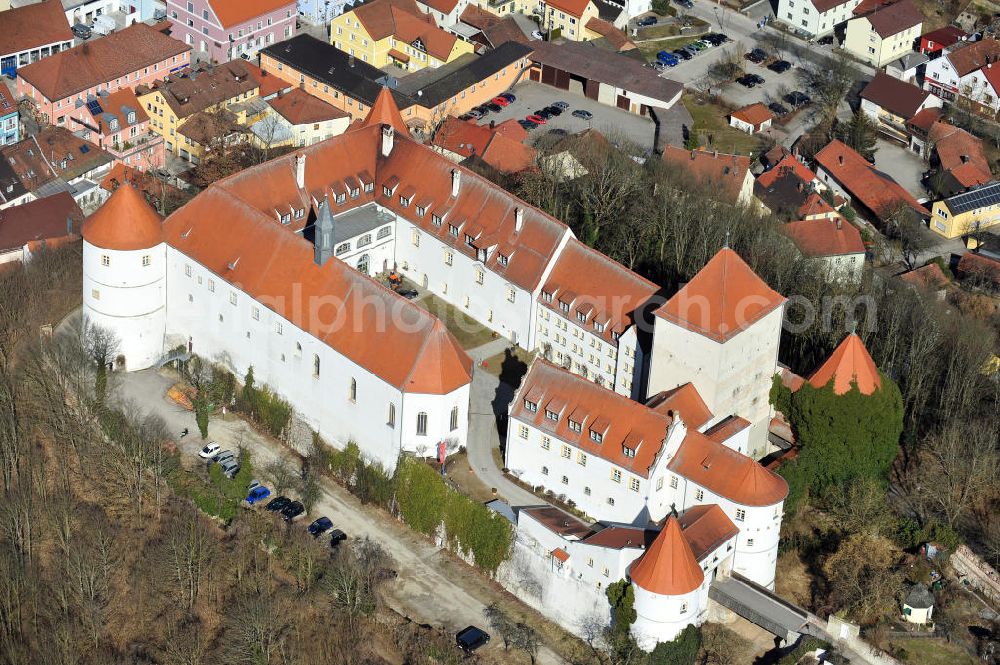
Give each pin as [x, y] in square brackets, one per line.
[395, 32]
[968, 212]
[202, 95]
[570, 18]
[880, 33]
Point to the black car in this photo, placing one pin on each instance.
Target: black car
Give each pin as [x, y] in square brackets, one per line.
[721, 37]
[683, 55]
[409, 294]
[686, 4]
[780, 66]
[544, 114]
[553, 110]
[527, 124]
[496, 108]
[320, 526]
[778, 109]
[646, 20]
[278, 503]
[337, 537]
[292, 510]
[508, 96]
[471, 638]
[825, 41]
[750, 80]
[797, 99]
[756, 55]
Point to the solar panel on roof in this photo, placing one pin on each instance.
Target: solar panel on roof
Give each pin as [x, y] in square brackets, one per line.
[84, 149]
[980, 197]
[94, 107]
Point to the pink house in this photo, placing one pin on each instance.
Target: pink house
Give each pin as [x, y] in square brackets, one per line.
[64, 82]
[224, 30]
[118, 123]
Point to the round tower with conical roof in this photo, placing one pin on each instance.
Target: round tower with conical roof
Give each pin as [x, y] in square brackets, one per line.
[124, 277]
[671, 591]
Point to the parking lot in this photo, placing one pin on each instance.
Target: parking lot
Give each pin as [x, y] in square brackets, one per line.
[610, 121]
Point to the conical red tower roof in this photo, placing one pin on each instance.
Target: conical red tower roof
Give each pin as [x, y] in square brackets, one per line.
[125, 222]
[848, 363]
[443, 366]
[385, 112]
[668, 567]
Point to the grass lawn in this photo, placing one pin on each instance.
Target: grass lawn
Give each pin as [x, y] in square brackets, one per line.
[469, 332]
[650, 49]
[509, 367]
[659, 31]
[932, 651]
[711, 119]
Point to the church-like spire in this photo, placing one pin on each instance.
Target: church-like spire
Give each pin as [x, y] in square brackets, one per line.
[323, 237]
[385, 112]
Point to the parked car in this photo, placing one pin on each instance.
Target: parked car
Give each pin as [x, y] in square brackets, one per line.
[667, 58]
[254, 484]
[471, 638]
[583, 115]
[797, 98]
[560, 105]
[230, 468]
[825, 41]
[750, 80]
[277, 503]
[682, 54]
[646, 20]
[500, 101]
[705, 43]
[510, 97]
[543, 113]
[475, 114]
[80, 31]
[257, 495]
[537, 34]
[527, 124]
[482, 110]
[496, 108]
[554, 110]
[537, 119]
[292, 510]
[409, 294]
[320, 526]
[697, 46]
[211, 449]
[719, 37]
[686, 4]
[780, 66]
[778, 109]
[224, 456]
[337, 537]
[756, 55]
[467, 116]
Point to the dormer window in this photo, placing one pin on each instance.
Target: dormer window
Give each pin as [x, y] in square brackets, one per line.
[596, 437]
[300, 213]
[482, 255]
[435, 220]
[420, 211]
[531, 406]
[502, 259]
[131, 117]
[598, 327]
[403, 201]
[387, 191]
[575, 426]
[469, 240]
[287, 217]
[546, 297]
[564, 306]
[453, 230]
[341, 198]
[369, 187]
[355, 193]
[113, 124]
[615, 336]
[552, 415]
[581, 317]
[628, 452]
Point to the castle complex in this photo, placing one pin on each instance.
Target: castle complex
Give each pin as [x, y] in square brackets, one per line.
[647, 412]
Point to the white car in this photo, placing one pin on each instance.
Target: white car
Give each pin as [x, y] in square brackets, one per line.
[210, 450]
[537, 34]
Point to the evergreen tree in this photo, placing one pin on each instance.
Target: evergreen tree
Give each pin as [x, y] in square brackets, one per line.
[860, 134]
[683, 650]
[621, 596]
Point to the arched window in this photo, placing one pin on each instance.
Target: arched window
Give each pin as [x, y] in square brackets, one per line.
[454, 418]
[316, 365]
[353, 394]
[392, 415]
[363, 263]
[421, 424]
[298, 349]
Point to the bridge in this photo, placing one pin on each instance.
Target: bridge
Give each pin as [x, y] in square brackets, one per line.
[761, 606]
[183, 356]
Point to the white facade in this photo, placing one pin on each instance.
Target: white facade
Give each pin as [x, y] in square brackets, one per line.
[804, 17]
[661, 618]
[863, 42]
[942, 79]
[846, 267]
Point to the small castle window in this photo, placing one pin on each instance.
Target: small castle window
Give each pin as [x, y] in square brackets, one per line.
[106, 261]
[315, 366]
[146, 260]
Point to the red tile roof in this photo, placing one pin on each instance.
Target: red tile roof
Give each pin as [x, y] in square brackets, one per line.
[462, 137]
[33, 26]
[443, 6]
[596, 287]
[723, 299]
[970, 56]
[233, 12]
[571, 7]
[267, 84]
[710, 168]
[888, 20]
[100, 61]
[961, 154]
[118, 104]
[385, 112]
[300, 108]
[788, 164]
[404, 20]
[873, 189]
[898, 97]
[929, 276]
[976, 265]
[753, 114]
[668, 567]
[816, 206]
[125, 222]
[706, 528]
[622, 422]
[925, 118]
[727, 473]
[41, 219]
[825, 237]
[560, 554]
[826, 5]
[727, 429]
[508, 155]
[942, 37]
[848, 364]
[618, 39]
[685, 401]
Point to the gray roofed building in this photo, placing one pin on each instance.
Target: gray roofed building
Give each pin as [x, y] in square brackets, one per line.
[361, 220]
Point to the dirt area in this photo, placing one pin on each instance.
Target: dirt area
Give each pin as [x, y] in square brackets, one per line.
[792, 580]
[469, 332]
[711, 124]
[468, 483]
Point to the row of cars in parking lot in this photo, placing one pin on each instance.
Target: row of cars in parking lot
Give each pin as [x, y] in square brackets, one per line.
[531, 121]
[795, 99]
[673, 58]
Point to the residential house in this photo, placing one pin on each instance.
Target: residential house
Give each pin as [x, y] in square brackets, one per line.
[499, 147]
[880, 33]
[966, 70]
[173, 101]
[30, 33]
[12, 190]
[569, 17]
[908, 67]
[969, 212]
[137, 55]
[298, 119]
[396, 32]
[891, 103]
[118, 123]
[493, 30]
[10, 123]
[928, 278]
[601, 32]
[874, 195]
[446, 12]
[792, 192]
[727, 174]
[123, 13]
[956, 156]
[223, 30]
[815, 18]
[424, 98]
[834, 242]
[934, 42]
[24, 229]
[751, 119]
[980, 269]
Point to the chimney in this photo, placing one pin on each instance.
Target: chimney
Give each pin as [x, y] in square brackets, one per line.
[840, 159]
[693, 153]
[69, 225]
[388, 134]
[800, 186]
[300, 170]
[715, 154]
[456, 180]
[323, 233]
[840, 223]
[518, 219]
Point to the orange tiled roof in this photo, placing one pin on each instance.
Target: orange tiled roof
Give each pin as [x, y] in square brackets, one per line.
[615, 37]
[267, 84]
[706, 528]
[118, 104]
[925, 118]
[816, 206]
[462, 137]
[929, 276]
[875, 190]
[101, 60]
[825, 237]
[571, 7]
[710, 168]
[727, 473]
[727, 429]
[125, 222]
[300, 108]
[788, 164]
[385, 112]
[668, 567]
[596, 288]
[684, 400]
[404, 20]
[560, 554]
[961, 154]
[622, 422]
[33, 26]
[232, 12]
[972, 264]
[724, 298]
[754, 114]
[891, 19]
[849, 363]
[508, 155]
